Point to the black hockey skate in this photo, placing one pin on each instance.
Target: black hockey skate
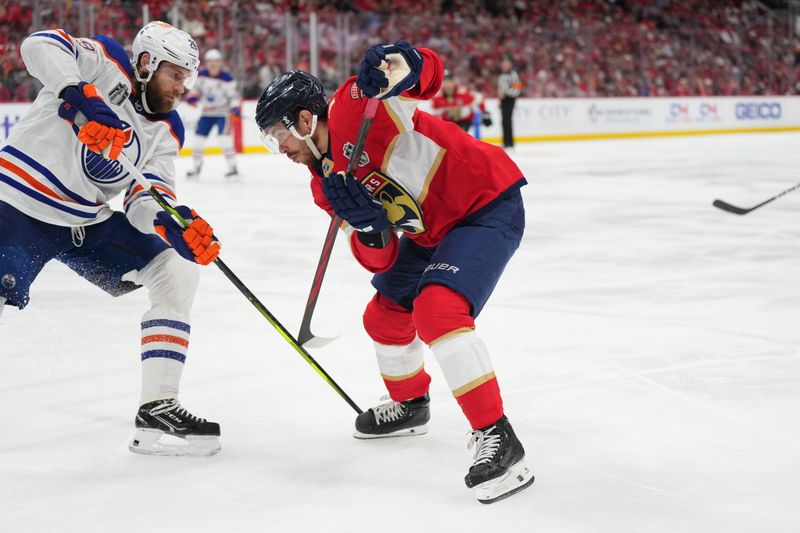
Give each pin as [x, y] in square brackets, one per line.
[194, 173]
[394, 419]
[232, 173]
[163, 427]
[499, 470]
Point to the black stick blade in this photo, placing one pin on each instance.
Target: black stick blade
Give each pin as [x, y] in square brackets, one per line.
[725, 206]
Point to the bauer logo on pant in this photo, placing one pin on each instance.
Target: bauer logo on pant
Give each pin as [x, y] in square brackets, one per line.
[402, 209]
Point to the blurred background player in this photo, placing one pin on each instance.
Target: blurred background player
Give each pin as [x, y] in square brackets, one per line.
[458, 203]
[59, 170]
[457, 103]
[509, 87]
[220, 104]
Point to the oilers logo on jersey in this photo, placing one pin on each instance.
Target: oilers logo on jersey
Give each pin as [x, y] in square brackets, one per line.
[401, 208]
[101, 170]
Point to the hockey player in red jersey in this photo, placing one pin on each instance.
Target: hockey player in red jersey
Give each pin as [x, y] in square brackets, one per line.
[456, 202]
[456, 103]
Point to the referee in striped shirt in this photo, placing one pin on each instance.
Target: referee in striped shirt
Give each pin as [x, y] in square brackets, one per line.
[509, 88]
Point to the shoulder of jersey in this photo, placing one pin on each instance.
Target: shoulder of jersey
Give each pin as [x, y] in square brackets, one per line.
[202, 73]
[173, 119]
[115, 52]
[225, 76]
[345, 97]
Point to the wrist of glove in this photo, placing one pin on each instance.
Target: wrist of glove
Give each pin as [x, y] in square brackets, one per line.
[389, 70]
[194, 243]
[102, 131]
[353, 203]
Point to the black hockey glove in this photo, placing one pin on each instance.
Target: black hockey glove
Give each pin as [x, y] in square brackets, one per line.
[354, 204]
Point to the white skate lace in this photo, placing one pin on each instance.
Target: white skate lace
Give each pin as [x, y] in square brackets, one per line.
[174, 405]
[388, 412]
[485, 443]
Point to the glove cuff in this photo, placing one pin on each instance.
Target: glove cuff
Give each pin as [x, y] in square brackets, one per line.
[375, 240]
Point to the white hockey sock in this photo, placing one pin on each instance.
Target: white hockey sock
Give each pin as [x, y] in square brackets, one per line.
[226, 142]
[165, 341]
[400, 362]
[465, 362]
[198, 144]
[2, 304]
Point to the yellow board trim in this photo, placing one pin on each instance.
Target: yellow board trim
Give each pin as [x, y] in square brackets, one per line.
[258, 149]
[406, 376]
[639, 134]
[474, 384]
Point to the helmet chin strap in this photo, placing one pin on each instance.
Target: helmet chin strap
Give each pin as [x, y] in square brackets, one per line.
[307, 138]
[143, 96]
[143, 84]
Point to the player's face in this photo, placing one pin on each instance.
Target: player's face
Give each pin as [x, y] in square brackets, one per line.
[278, 139]
[214, 66]
[165, 88]
[448, 87]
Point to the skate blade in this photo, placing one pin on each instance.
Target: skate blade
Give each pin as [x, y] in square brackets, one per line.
[410, 432]
[156, 442]
[518, 478]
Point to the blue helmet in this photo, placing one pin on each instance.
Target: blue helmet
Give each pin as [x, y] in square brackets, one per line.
[289, 93]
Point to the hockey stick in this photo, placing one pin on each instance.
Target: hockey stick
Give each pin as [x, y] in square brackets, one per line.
[725, 206]
[148, 187]
[305, 336]
[261, 308]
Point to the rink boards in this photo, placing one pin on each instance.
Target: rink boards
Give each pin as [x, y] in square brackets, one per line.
[562, 119]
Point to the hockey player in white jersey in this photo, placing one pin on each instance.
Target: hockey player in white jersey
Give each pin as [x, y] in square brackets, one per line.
[59, 170]
[216, 94]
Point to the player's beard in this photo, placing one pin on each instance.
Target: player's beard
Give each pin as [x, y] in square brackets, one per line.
[159, 101]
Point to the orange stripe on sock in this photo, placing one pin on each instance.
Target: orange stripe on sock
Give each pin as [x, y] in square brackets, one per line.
[166, 338]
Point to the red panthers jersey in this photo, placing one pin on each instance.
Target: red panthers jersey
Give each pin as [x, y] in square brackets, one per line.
[458, 107]
[429, 174]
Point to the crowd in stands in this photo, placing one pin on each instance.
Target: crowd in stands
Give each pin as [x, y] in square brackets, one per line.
[561, 48]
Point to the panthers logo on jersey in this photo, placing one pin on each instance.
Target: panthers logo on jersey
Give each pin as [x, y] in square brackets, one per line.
[402, 209]
[106, 171]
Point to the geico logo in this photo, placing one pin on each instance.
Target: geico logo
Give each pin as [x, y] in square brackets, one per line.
[756, 110]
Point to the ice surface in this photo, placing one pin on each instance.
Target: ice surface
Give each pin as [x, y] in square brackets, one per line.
[646, 343]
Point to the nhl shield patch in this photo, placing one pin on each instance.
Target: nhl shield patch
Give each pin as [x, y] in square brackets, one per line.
[402, 209]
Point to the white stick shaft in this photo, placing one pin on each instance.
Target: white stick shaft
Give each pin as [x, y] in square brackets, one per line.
[135, 172]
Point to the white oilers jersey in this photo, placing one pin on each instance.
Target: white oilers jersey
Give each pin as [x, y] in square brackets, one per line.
[215, 95]
[46, 173]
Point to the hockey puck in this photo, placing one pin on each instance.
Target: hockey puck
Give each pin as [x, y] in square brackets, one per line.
[9, 281]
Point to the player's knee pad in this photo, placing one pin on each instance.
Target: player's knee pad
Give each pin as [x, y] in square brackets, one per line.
[388, 323]
[172, 282]
[438, 311]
